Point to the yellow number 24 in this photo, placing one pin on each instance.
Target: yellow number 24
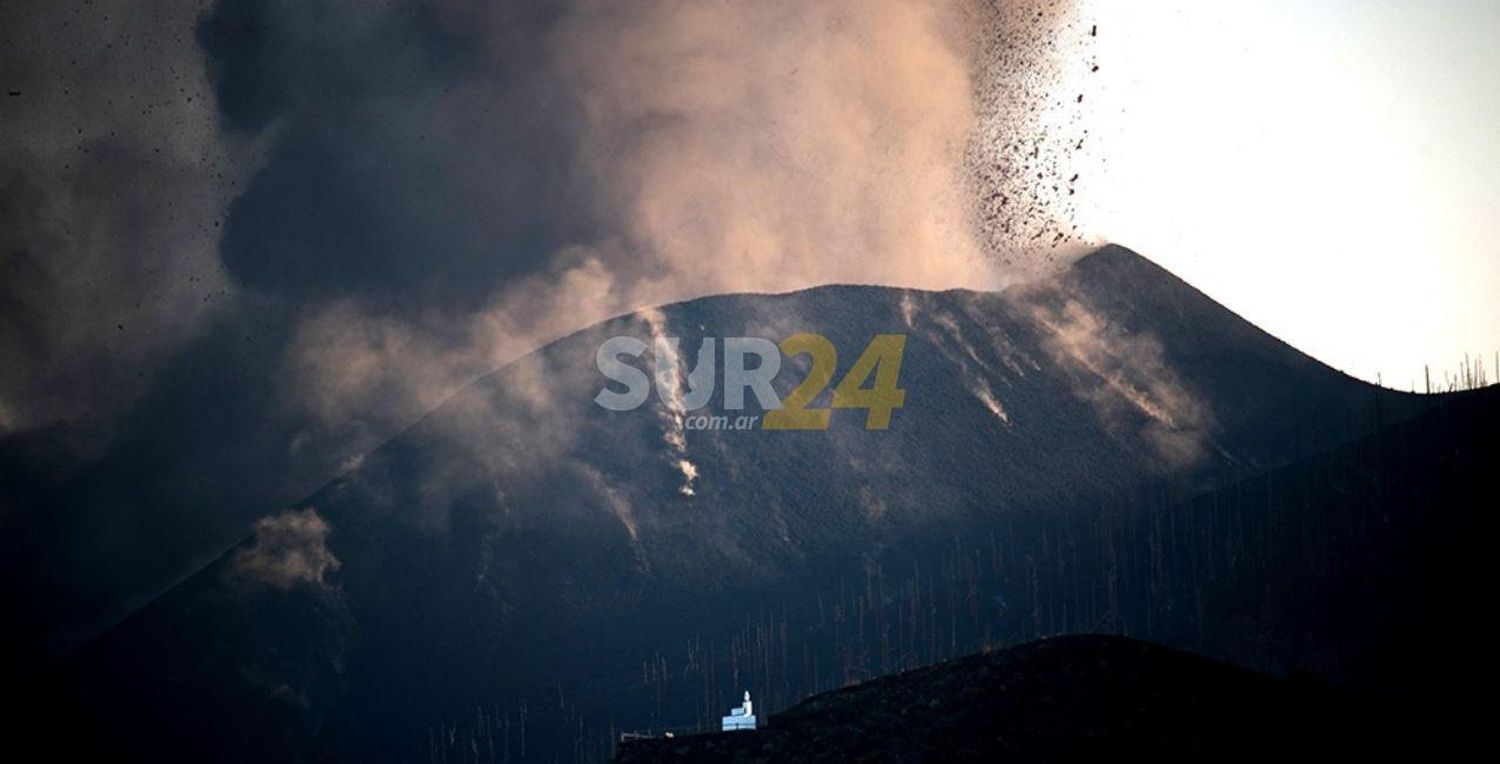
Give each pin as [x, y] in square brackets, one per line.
[882, 358]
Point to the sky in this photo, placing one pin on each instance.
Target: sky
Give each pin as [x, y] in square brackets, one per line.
[1326, 169]
[242, 242]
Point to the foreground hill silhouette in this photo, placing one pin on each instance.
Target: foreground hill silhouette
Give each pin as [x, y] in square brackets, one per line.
[1074, 698]
[525, 572]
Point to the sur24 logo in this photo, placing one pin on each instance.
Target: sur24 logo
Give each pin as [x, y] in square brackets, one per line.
[870, 384]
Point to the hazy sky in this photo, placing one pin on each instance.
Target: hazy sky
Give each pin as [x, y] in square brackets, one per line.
[1327, 169]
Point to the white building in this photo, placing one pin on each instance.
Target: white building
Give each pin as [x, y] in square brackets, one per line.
[742, 718]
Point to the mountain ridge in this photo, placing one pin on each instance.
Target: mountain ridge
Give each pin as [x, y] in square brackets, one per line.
[484, 552]
[1104, 262]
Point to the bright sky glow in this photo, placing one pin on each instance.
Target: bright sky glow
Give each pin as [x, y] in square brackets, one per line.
[1328, 169]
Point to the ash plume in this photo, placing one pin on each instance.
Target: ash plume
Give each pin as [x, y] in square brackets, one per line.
[113, 182]
[736, 148]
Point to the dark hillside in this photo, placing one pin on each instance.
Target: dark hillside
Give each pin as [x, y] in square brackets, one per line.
[525, 565]
[1083, 698]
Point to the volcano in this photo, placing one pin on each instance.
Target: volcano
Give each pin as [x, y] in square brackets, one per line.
[524, 574]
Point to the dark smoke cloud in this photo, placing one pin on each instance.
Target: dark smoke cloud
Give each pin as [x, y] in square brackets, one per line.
[112, 184]
[418, 147]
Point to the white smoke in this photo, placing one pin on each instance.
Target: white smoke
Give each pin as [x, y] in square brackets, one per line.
[288, 550]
